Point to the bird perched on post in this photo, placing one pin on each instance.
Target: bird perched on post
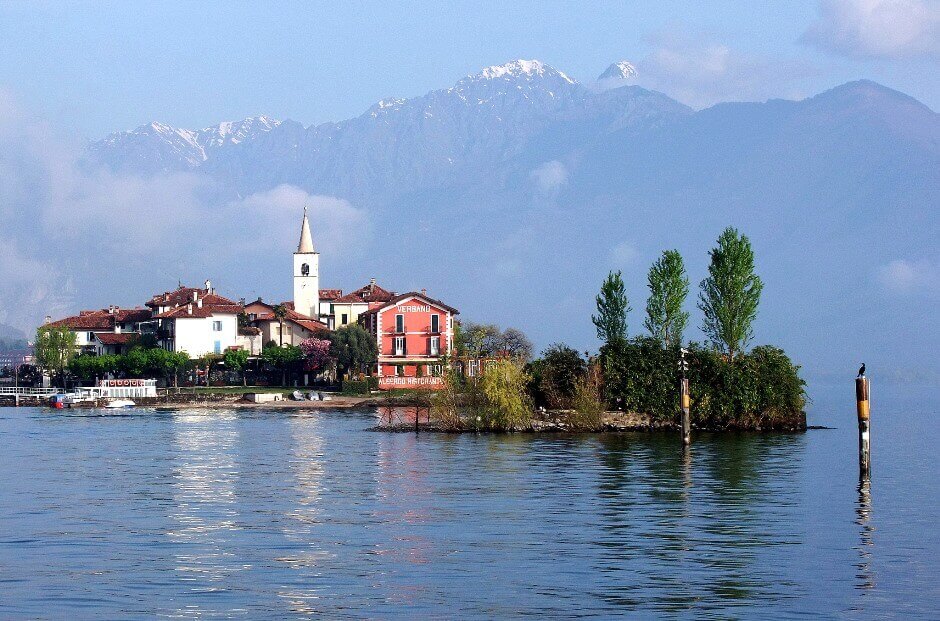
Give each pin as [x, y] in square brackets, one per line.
[861, 370]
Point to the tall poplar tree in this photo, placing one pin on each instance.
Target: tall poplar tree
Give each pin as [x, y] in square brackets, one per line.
[612, 309]
[669, 286]
[730, 294]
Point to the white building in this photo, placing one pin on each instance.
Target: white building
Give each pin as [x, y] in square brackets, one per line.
[196, 321]
[109, 330]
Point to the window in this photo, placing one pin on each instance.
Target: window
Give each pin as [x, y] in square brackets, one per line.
[304, 270]
[435, 346]
[216, 326]
[435, 323]
[399, 346]
[91, 336]
[345, 319]
[218, 347]
[399, 323]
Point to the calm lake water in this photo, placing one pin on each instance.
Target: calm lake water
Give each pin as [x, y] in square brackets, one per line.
[274, 514]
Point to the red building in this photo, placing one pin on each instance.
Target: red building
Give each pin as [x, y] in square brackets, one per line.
[413, 333]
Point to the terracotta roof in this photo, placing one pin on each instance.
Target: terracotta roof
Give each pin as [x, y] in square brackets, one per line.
[184, 295]
[102, 319]
[110, 338]
[405, 296]
[365, 295]
[330, 294]
[293, 316]
[207, 310]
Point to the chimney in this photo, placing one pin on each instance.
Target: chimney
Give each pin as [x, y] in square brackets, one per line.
[111, 309]
[195, 295]
[47, 320]
[199, 304]
[208, 286]
[424, 292]
[189, 308]
[166, 297]
[372, 282]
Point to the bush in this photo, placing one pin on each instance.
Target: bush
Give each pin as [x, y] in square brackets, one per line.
[559, 370]
[360, 387]
[757, 389]
[507, 403]
[587, 413]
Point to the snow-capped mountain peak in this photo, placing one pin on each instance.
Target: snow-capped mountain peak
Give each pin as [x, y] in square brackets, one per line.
[623, 70]
[520, 69]
[164, 147]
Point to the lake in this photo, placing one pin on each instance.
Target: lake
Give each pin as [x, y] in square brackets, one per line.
[275, 514]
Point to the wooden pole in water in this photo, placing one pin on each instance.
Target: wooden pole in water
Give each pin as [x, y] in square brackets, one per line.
[686, 417]
[685, 399]
[862, 395]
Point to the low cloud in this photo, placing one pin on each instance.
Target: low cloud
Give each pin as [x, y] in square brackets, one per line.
[550, 176]
[918, 278]
[76, 236]
[890, 29]
[335, 224]
[700, 71]
[624, 254]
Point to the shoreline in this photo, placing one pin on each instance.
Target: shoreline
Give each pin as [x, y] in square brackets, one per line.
[552, 421]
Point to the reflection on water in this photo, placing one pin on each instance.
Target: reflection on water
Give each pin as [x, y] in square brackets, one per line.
[204, 499]
[866, 576]
[277, 514]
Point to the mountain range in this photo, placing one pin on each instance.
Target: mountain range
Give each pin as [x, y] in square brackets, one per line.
[526, 187]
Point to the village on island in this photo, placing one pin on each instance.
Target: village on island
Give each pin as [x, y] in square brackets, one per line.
[413, 332]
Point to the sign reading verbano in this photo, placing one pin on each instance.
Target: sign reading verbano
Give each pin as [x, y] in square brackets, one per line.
[414, 308]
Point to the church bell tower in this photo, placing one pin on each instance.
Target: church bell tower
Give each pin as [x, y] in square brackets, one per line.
[306, 274]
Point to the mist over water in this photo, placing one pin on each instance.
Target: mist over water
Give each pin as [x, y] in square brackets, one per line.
[264, 514]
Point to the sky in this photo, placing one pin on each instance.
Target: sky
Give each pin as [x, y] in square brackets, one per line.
[91, 68]
[71, 237]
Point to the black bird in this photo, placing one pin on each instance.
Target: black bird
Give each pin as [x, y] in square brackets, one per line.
[861, 370]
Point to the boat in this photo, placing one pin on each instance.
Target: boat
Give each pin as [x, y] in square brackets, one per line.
[119, 403]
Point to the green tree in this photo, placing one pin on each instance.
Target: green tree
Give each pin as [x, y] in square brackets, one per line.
[236, 360]
[280, 313]
[560, 369]
[669, 287]
[504, 385]
[612, 309]
[85, 366]
[282, 359]
[477, 340]
[54, 349]
[730, 294]
[353, 348]
[135, 363]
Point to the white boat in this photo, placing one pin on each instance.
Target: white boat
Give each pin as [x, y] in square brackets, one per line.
[119, 403]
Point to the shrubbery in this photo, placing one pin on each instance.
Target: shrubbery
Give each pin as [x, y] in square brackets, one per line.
[761, 388]
[360, 387]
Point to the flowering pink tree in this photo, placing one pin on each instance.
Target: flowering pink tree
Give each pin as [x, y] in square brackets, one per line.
[316, 353]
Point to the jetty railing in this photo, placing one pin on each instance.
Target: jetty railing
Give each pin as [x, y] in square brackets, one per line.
[14, 391]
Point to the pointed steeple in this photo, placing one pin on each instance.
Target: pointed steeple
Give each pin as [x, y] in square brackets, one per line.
[306, 240]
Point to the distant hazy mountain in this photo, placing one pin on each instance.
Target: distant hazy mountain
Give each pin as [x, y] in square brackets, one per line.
[160, 148]
[535, 185]
[398, 145]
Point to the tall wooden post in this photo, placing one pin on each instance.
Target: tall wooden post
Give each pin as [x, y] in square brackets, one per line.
[862, 395]
[686, 418]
